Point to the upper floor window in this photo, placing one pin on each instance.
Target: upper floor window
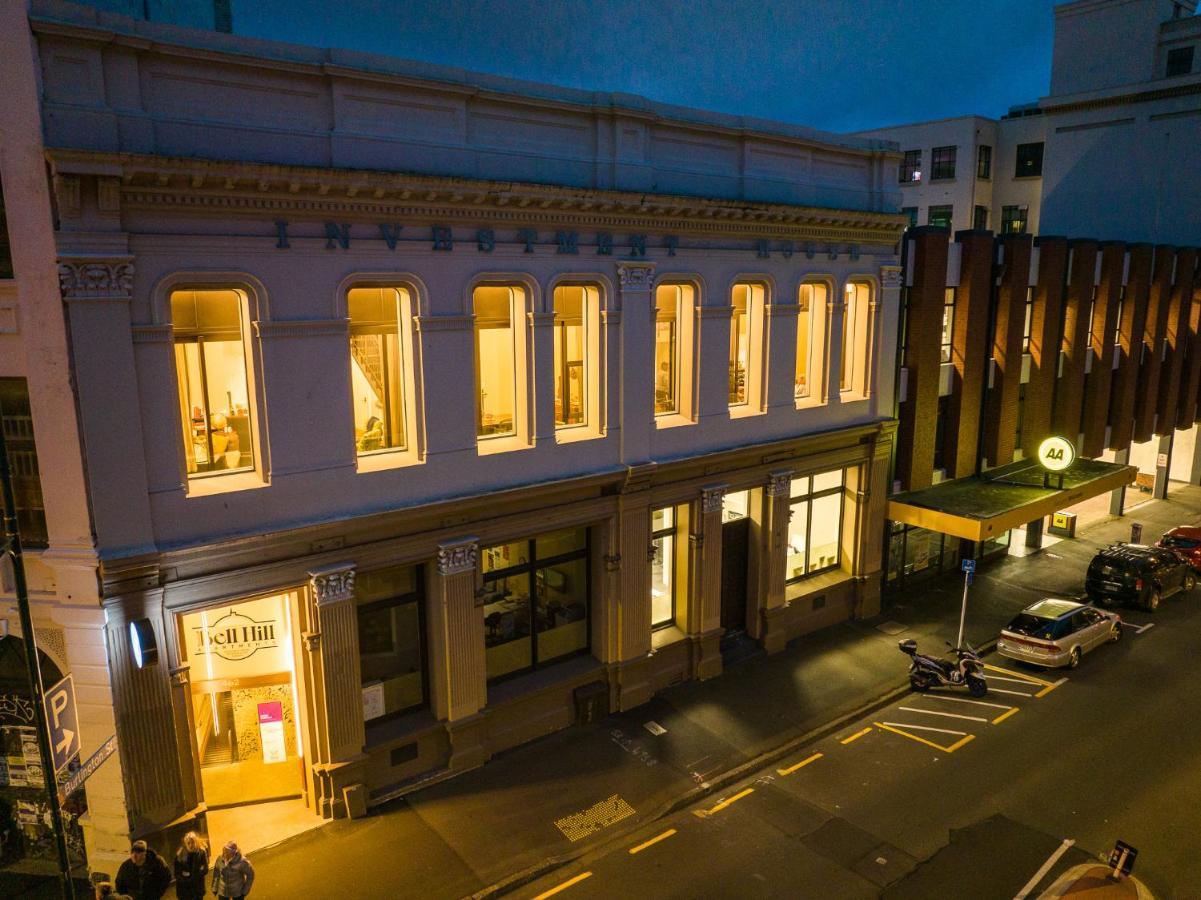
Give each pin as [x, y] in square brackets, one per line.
[500, 403]
[856, 339]
[211, 373]
[664, 583]
[746, 351]
[984, 162]
[390, 606]
[814, 296]
[575, 308]
[980, 218]
[380, 366]
[1029, 160]
[940, 215]
[942, 163]
[1013, 219]
[1180, 62]
[673, 341]
[948, 324]
[1028, 320]
[911, 212]
[1117, 317]
[6, 256]
[910, 168]
[16, 420]
[814, 524]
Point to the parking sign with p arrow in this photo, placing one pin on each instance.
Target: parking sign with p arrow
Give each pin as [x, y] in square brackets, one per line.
[64, 727]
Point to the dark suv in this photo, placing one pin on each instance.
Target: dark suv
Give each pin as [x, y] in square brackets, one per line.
[1134, 573]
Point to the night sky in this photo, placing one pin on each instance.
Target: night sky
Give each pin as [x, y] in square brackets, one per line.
[831, 64]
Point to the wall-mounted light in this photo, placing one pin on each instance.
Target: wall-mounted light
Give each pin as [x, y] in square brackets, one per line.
[142, 643]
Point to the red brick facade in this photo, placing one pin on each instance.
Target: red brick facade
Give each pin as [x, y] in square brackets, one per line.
[969, 350]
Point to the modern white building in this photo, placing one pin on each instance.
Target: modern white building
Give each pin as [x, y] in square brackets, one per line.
[426, 411]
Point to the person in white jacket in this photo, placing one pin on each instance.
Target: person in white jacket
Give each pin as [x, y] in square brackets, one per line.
[233, 875]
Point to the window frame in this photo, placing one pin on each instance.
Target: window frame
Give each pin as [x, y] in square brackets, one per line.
[687, 299]
[758, 297]
[1025, 154]
[670, 531]
[522, 300]
[909, 169]
[592, 302]
[860, 338]
[1008, 220]
[407, 367]
[418, 597]
[17, 425]
[807, 498]
[984, 162]
[979, 217]
[942, 162]
[950, 215]
[947, 340]
[1028, 318]
[1172, 69]
[817, 369]
[912, 213]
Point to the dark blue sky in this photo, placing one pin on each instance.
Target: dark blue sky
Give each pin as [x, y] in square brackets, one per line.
[831, 64]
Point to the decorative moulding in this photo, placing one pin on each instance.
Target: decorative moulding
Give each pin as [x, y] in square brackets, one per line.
[152, 334]
[95, 279]
[890, 276]
[778, 484]
[711, 498]
[302, 328]
[459, 557]
[637, 276]
[333, 584]
[444, 323]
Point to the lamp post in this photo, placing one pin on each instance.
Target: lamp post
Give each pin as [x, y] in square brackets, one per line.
[11, 547]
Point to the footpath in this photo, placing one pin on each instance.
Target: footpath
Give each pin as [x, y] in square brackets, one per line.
[541, 805]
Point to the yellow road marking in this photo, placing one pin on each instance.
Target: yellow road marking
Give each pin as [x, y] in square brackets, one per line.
[913, 737]
[1021, 675]
[662, 837]
[1050, 687]
[856, 736]
[1003, 716]
[801, 764]
[564, 886]
[702, 813]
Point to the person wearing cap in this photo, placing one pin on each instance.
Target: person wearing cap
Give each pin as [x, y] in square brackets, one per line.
[144, 876]
[233, 875]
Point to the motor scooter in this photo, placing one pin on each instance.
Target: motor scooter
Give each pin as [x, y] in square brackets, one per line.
[926, 672]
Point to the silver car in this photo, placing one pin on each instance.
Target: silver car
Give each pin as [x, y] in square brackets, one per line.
[1058, 632]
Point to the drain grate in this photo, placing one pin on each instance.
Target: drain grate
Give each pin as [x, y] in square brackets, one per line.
[591, 820]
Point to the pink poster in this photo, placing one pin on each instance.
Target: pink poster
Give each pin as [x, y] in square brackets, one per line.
[271, 731]
[271, 712]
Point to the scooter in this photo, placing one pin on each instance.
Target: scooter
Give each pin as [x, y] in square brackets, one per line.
[926, 672]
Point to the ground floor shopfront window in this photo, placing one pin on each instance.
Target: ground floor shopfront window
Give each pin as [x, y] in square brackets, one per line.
[815, 524]
[392, 662]
[536, 601]
[918, 553]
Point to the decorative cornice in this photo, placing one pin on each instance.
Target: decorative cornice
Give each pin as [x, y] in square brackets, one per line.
[302, 328]
[458, 557]
[152, 334]
[312, 193]
[88, 278]
[444, 323]
[711, 498]
[332, 584]
[778, 484]
[636, 276]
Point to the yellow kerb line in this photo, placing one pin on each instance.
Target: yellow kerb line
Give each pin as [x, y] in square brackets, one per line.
[1022, 675]
[801, 764]
[708, 812]
[662, 837]
[1003, 716]
[1050, 687]
[856, 736]
[913, 737]
[564, 886]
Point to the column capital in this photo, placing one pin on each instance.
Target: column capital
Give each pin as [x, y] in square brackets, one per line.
[635, 276]
[459, 556]
[890, 277]
[711, 498]
[778, 484]
[95, 278]
[333, 584]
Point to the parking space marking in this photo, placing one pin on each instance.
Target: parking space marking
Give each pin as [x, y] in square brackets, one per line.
[659, 837]
[564, 886]
[1049, 688]
[931, 712]
[1003, 716]
[703, 813]
[897, 729]
[1141, 628]
[1042, 872]
[1029, 679]
[856, 736]
[1012, 680]
[973, 702]
[1010, 693]
[801, 764]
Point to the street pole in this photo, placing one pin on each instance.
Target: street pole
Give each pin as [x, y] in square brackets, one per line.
[12, 548]
[967, 579]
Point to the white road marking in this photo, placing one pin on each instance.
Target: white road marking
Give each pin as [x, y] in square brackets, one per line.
[965, 700]
[1025, 681]
[1012, 693]
[1041, 873]
[930, 712]
[1143, 628]
[924, 728]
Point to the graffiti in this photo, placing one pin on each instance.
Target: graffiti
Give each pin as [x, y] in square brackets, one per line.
[15, 709]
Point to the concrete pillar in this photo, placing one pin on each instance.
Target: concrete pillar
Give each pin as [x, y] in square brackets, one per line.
[1164, 456]
[704, 619]
[634, 599]
[1034, 534]
[1117, 497]
[767, 626]
[636, 302]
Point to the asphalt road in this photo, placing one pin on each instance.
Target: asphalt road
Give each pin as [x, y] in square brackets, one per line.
[933, 796]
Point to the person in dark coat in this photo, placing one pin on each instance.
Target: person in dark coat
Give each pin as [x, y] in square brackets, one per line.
[191, 867]
[144, 876]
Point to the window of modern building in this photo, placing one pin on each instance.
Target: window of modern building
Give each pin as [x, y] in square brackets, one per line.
[1117, 317]
[380, 366]
[746, 346]
[1013, 219]
[536, 600]
[674, 304]
[392, 661]
[910, 168]
[984, 162]
[664, 584]
[942, 163]
[211, 372]
[911, 212]
[576, 352]
[813, 300]
[6, 256]
[814, 524]
[948, 323]
[499, 359]
[1180, 62]
[1028, 321]
[940, 433]
[940, 215]
[16, 419]
[980, 218]
[856, 339]
[1029, 160]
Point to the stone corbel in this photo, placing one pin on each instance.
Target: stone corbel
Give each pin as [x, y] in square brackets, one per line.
[458, 557]
[778, 483]
[332, 584]
[711, 498]
[636, 276]
[95, 279]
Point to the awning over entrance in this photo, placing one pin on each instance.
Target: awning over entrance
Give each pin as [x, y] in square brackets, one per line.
[983, 506]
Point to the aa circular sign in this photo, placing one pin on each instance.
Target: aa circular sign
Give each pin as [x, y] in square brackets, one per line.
[1056, 454]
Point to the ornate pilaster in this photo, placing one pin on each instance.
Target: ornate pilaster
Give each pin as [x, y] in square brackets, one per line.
[704, 622]
[185, 731]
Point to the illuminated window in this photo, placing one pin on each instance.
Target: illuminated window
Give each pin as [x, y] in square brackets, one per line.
[856, 339]
[663, 567]
[380, 352]
[391, 624]
[674, 304]
[536, 601]
[942, 163]
[746, 346]
[814, 524]
[910, 168]
[1013, 219]
[813, 299]
[210, 369]
[1029, 160]
[499, 348]
[984, 162]
[948, 323]
[940, 215]
[576, 308]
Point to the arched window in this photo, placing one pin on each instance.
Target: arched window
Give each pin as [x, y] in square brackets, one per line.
[499, 359]
[668, 302]
[210, 367]
[380, 367]
[811, 317]
[576, 353]
[854, 377]
[746, 346]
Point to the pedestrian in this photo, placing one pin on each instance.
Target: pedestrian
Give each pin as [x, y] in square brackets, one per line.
[144, 876]
[233, 875]
[191, 867]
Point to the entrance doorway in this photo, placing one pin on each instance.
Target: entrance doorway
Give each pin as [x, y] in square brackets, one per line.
[245, 701]
[735, 538]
